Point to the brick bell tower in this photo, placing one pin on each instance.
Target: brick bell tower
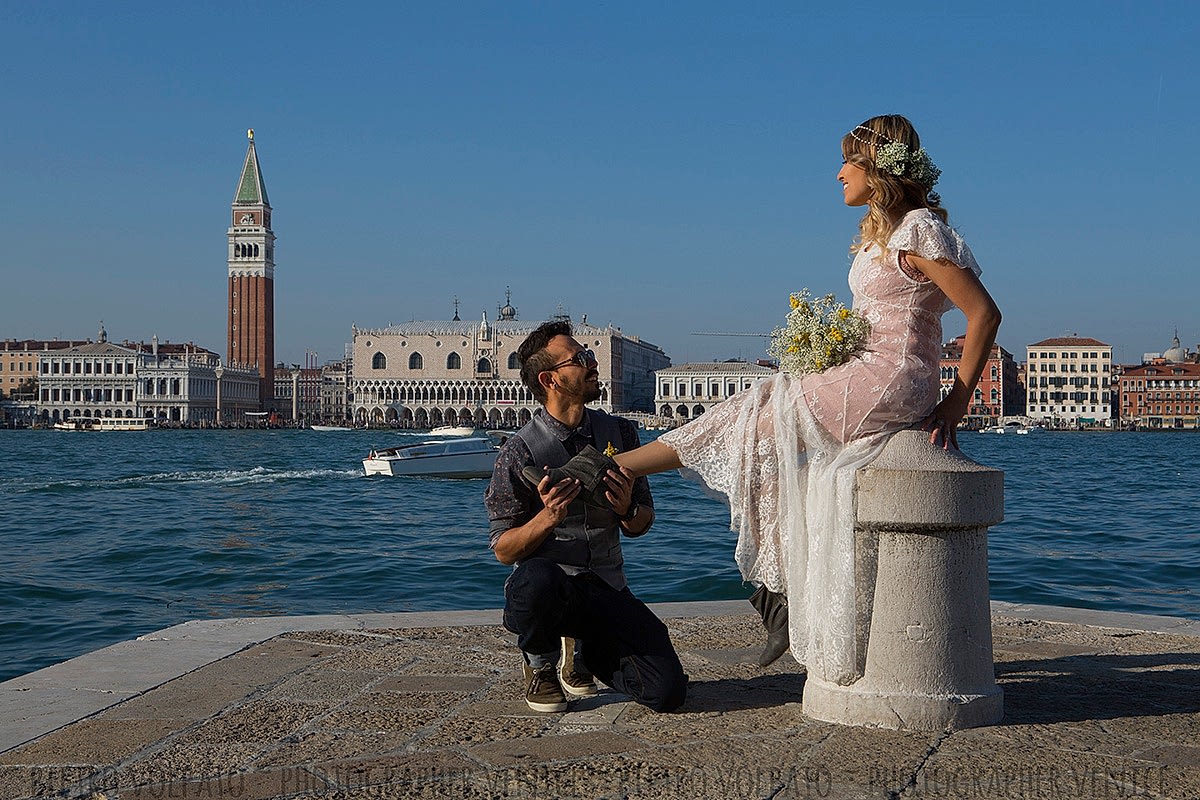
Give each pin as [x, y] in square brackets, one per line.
[252, 278]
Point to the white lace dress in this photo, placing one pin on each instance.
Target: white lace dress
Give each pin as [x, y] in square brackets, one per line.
[785, 451]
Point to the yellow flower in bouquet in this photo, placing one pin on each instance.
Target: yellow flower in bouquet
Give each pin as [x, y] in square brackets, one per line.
[818, 333]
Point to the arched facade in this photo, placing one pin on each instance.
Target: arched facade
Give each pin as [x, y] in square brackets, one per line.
[686, 391]
[457, 371]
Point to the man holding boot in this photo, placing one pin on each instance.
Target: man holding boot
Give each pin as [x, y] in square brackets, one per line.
[567, 598]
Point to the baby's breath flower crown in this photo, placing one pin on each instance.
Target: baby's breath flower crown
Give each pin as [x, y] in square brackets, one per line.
[896, 159]
[818, 333]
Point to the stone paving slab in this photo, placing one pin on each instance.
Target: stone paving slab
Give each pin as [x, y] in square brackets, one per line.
[374, 706]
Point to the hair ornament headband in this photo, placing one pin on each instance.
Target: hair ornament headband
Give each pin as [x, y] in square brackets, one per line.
[895, 158]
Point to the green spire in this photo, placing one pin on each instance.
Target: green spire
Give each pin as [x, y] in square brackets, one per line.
[251, 189]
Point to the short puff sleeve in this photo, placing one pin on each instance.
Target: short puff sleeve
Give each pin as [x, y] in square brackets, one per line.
[922, 232]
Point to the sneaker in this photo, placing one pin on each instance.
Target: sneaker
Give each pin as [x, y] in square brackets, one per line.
[542, 692]
[574, 678]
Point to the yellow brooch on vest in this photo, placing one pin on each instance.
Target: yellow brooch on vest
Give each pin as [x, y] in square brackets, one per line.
[610, 451]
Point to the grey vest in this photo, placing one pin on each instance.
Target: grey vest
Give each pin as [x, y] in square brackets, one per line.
[589, 538]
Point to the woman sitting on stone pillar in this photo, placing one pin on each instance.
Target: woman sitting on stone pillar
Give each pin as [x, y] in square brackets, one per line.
[785, 450]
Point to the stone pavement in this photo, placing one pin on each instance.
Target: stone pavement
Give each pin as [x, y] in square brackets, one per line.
[1098, 705]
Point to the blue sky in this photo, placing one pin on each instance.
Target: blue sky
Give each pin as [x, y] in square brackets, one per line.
[667, 167]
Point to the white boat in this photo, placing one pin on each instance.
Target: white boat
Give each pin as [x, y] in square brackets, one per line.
[453, 430]
[460, 458]
[330, 428]
[1009, 427]
[122, 424]
[73, 425]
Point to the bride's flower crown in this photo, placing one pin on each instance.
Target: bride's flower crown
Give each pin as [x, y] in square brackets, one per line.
[896, 159]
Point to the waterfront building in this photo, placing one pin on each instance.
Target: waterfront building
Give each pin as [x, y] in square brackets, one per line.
[428, 373]
[298, 392]
[998, 392]
[168, 383]
[251, 263]
[178, 383]
[1069, 381]
[19, 364]
[685, 391]
[19, 359]
[1022, 383]
[1164, 393]
[335, 401]
[94, 379]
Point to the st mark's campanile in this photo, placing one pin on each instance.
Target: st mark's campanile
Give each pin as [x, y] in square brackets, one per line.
[252, 278]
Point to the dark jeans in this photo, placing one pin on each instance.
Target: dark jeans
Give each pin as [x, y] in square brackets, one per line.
[621, 641]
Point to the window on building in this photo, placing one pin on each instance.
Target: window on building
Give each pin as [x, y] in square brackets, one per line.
[666, 390]
[379, 361]
[483, 366]
[513, 361]
[454, 361]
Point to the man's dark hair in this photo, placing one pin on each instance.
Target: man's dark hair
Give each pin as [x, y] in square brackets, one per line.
[534, 358]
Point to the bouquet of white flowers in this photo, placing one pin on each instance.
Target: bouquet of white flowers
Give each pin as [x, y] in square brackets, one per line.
[818, 333]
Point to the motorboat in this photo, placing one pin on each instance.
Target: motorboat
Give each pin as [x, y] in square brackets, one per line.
[1009, 427]
[73, 425]
[471, 457]
[453, 430]
[330, 428]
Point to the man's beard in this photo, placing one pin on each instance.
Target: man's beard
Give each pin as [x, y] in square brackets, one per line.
[581, 388]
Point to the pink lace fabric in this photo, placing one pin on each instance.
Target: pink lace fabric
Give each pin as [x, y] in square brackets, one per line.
[785, 451]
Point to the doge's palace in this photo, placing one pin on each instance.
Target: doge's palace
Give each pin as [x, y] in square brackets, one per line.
[423, 374]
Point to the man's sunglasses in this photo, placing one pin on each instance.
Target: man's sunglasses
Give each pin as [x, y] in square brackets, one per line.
[582, 358]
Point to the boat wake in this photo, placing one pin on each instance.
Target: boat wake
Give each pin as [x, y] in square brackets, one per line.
[230, 477]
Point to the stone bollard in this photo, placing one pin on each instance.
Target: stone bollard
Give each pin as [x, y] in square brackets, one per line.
[923, 616]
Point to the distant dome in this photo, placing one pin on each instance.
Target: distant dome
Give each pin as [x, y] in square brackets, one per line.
[506, 312]
[1175, 354]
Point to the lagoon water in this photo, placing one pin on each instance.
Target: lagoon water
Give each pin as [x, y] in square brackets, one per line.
[108, 536]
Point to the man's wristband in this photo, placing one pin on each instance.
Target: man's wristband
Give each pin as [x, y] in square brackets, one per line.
[634, 508]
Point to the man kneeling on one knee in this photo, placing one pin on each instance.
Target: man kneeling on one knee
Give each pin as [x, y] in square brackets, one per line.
[567, 599]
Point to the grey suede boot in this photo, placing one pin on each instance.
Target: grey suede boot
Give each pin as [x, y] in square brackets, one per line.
[772, 607]
[588, 467]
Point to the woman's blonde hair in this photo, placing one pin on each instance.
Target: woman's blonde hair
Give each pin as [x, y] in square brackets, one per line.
[913, 188]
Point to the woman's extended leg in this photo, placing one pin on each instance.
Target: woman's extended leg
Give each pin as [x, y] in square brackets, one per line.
[649, 459]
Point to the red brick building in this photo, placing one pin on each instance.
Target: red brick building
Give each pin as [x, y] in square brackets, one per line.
[996, 395]
[1160, 394]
